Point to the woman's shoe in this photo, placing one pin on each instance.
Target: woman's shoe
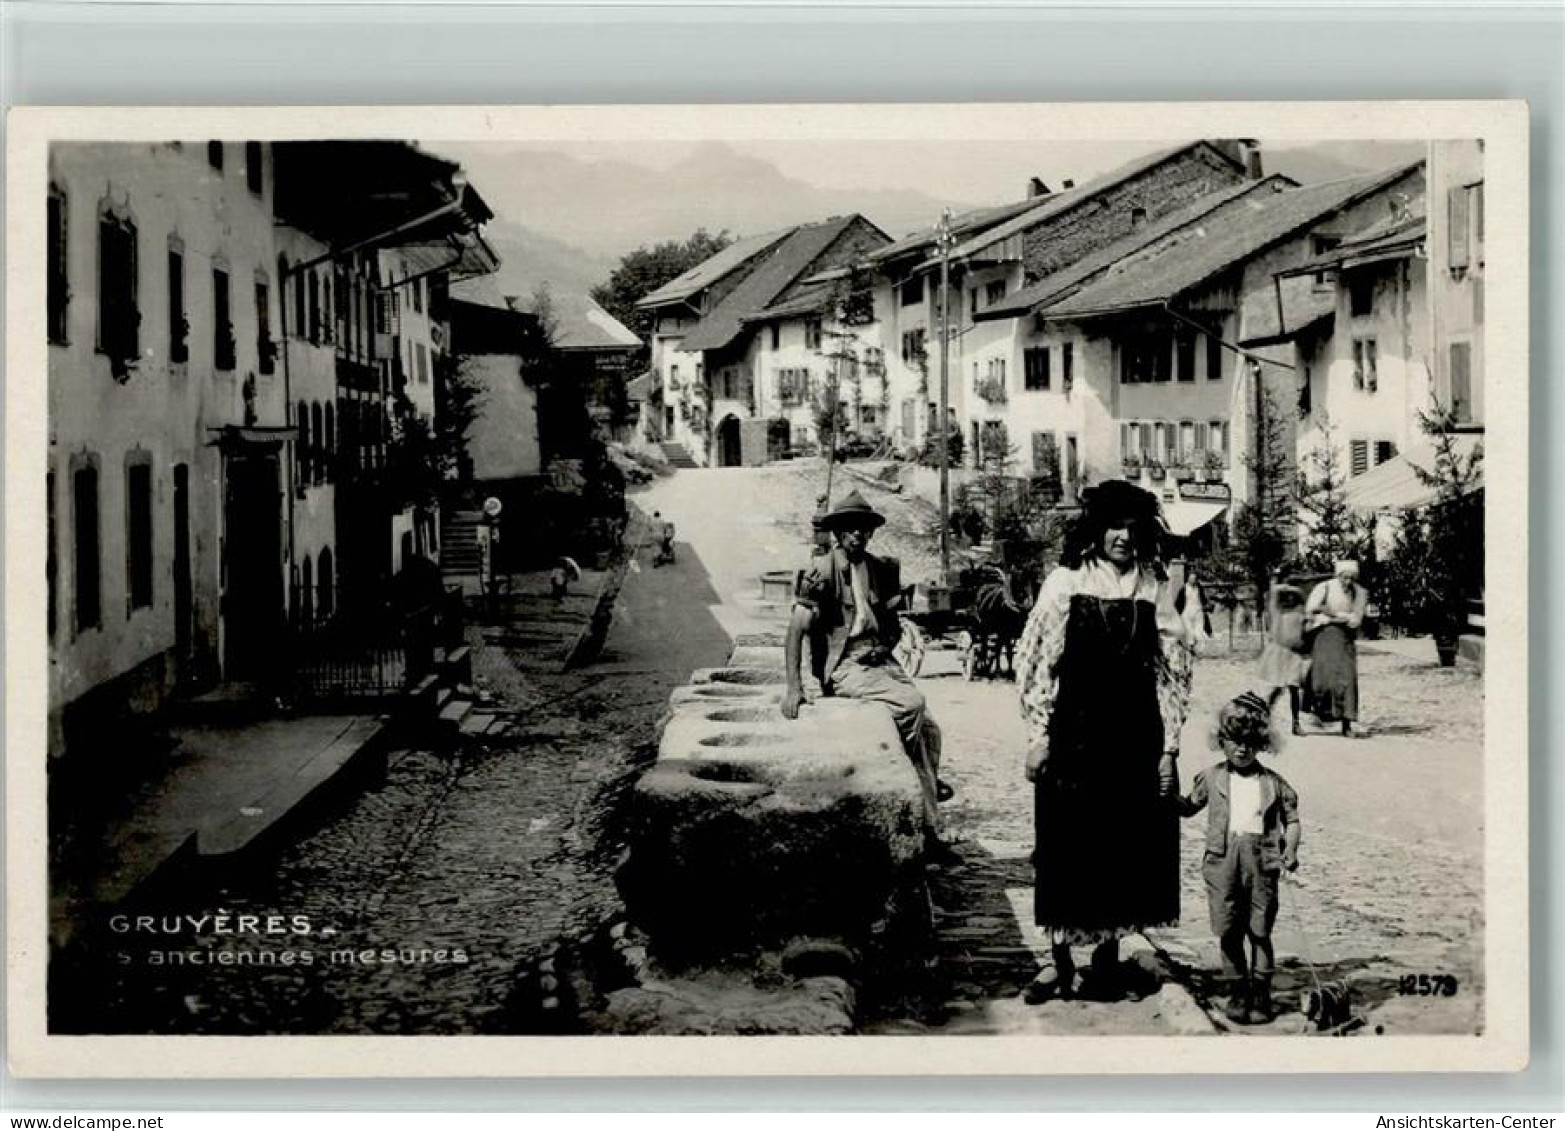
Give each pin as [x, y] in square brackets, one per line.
[1050, 983]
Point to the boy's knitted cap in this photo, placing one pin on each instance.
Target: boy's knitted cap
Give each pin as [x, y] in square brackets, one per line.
[1246, 720]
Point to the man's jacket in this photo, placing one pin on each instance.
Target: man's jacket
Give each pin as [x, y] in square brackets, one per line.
[826, 588]
[1279, 807]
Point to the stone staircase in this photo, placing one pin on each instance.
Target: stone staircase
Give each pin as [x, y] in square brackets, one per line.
[679, 456]
[459, 554]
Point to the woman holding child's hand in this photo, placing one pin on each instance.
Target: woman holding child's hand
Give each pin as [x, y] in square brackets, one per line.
[1103, 669]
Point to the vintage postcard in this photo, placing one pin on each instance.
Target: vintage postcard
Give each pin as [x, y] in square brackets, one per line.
[792, 589]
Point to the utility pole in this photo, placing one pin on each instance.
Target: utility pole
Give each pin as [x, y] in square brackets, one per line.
[945, 240]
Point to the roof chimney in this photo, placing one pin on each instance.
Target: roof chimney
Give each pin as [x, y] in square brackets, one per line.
[1036, 188]
[1067, 184]
[1252, 160]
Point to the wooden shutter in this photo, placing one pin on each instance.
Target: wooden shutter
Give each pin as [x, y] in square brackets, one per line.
[1462, 381]
[1359, 457]
[1458, 216]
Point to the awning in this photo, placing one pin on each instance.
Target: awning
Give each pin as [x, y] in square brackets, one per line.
[1186, 516]
[639, 388]
[1395, 484]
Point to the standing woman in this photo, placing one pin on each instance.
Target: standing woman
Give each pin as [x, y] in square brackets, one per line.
[1334, 613]
[1103, 670]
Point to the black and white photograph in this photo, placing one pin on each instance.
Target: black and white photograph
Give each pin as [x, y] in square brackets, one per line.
[689, 576]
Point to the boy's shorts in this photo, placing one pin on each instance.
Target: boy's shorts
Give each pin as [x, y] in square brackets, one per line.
[1240, 893]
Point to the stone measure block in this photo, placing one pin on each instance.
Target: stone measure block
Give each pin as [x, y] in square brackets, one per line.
[751, 828]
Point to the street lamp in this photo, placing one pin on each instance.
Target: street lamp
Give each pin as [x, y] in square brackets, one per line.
[945, 240]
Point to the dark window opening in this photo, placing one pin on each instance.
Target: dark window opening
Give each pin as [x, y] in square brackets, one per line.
[223, 345]
[911, 292]
[994, 292]
[1067, 373]
[1384, 450]
[812, 334]
[59, 268]
[318, 457]
[1361, 294]
[1214, 358]
[214, 154]
[84, 496]
[119, 320]
[255, 178]
[265, 347]
[1184, 346]
[302, 451]
[138, 534]
[1035, 368]
[776, 337]
[178, 323]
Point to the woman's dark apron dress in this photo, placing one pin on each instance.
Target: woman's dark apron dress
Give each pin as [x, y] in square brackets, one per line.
[1331, 690]
[1107, 857]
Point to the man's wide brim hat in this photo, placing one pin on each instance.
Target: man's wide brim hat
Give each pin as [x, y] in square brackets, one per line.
[852, 512]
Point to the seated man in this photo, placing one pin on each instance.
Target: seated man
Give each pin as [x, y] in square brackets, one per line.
[850, 597]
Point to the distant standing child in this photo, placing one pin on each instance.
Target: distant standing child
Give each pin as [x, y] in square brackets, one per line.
[1285, 661]
[1252, 834]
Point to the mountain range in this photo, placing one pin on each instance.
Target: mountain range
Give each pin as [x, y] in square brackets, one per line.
[566, 220]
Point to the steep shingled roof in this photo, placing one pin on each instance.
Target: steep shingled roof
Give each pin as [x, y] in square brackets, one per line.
[963, 224]
[714, 269]
[1054, 286]
[780, 267]
[1206, 251]
[1062, 202]
[581, 324]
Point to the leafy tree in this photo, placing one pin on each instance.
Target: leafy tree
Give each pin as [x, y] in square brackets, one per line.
[644, 270]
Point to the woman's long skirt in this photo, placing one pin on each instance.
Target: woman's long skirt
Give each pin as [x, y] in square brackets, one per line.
[1331, 689]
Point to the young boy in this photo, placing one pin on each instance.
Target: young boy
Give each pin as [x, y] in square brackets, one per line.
[1252, 833]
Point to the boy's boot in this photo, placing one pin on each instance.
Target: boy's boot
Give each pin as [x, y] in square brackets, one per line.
[1238, 1008]
[1261, 1008]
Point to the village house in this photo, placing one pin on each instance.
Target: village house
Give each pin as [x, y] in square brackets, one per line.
[1044, 413]
[998, 252]
[672, 411]
[821, 343]
[709, 356]
[1397, 327]
[168, 424]
[1180, 345]
[592, 349]
[381, 229]
[219, 404]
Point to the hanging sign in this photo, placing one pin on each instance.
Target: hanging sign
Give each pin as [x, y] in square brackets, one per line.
[1207, 492]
